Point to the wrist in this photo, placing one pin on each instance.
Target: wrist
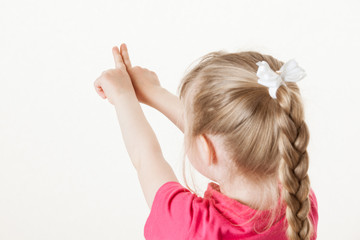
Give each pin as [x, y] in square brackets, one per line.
[155, 95]
[170, 105]
[125, 97]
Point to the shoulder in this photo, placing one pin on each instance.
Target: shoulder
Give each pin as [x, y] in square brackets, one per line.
[314, 203]
[173, 211]
[174, 195]
[173, 188]
[313, 213]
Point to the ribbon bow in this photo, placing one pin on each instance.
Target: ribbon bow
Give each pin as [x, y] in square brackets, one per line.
[289, 72]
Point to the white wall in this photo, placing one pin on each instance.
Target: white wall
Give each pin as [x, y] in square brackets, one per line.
[64, 170]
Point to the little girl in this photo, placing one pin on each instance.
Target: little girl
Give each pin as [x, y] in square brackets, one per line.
[243, 123]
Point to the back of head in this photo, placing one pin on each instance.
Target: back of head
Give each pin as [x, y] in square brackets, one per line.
[265, 138]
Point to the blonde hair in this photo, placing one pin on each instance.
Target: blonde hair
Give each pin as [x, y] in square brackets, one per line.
[265, 138]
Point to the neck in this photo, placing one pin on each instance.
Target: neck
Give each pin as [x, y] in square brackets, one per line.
[260, 196]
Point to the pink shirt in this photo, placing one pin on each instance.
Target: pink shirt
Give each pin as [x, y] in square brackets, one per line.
[177, 213]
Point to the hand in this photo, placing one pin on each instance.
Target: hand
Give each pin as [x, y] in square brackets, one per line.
[114, 82]
[145, 82]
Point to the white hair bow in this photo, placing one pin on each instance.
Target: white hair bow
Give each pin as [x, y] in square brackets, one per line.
[289, 72]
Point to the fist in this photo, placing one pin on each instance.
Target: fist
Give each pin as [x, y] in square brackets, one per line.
[144, 81]
[114, 82]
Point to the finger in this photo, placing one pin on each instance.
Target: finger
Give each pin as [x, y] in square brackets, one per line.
[117, 57]
[98, 89]
[101, 93]
[125, 55]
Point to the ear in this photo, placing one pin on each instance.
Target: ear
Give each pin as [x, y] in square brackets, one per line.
[209, 149]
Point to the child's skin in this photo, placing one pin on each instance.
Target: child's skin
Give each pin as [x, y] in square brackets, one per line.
[124, 87]
[117, 85]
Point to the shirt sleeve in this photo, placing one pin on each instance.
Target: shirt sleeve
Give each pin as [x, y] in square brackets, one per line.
[314, 212]
[171, 213]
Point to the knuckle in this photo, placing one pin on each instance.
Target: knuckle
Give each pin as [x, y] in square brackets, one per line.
[121, 70]
[137, 68]
[106, 74]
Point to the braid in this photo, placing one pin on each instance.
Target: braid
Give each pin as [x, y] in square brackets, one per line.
[293, 140]
[222, 96]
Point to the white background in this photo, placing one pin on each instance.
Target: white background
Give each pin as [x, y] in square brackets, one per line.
[64, 169]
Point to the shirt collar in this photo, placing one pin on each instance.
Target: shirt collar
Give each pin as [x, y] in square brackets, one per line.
[237, 212]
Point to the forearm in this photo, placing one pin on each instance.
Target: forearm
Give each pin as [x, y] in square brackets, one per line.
[169, 105]
[139, 138]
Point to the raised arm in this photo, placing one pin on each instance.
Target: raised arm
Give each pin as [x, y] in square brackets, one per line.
[142, 146]
[139, 138]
